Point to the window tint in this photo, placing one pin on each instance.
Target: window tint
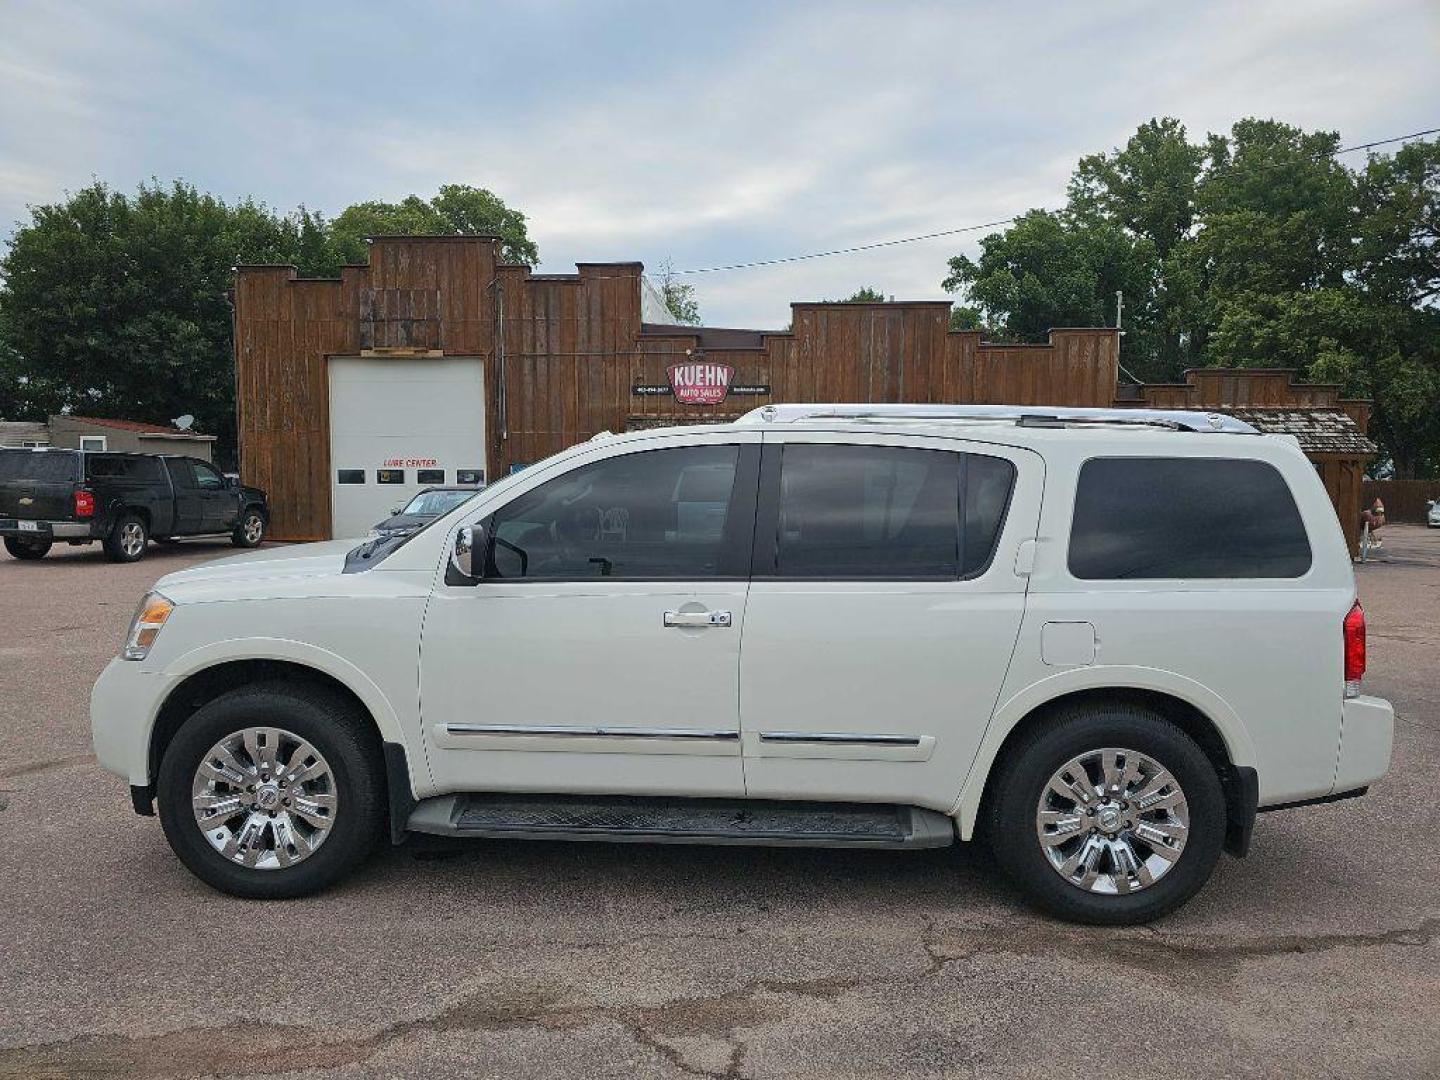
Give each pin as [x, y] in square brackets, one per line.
[988, 483]
[389, 476]
[350, 476]
[655, 514]
[48, 465]
[1185, 518]
[430, 476]
[179, 470]
[868, 512]
[134, 467]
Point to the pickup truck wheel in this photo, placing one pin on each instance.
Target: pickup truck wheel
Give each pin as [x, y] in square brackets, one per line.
[127, 539]
[249, 530]
[272, 791]
[26, 549]
[1107, 815]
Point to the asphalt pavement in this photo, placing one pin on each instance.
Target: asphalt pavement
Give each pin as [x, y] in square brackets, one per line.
[1318, 956]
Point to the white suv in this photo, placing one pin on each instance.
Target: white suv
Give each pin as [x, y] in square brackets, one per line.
[1099, 639]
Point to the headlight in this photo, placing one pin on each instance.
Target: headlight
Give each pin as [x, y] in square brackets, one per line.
[150, 616]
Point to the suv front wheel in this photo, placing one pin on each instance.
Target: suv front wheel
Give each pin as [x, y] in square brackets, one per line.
[272, 791]
[1107, 814]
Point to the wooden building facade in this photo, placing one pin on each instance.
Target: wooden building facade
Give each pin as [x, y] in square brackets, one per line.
[564, 356]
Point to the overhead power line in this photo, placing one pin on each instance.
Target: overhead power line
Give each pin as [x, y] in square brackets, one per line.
[995, 224]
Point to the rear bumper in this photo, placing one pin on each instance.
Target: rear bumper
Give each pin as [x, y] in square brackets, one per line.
[1367, 733]
[48, 530]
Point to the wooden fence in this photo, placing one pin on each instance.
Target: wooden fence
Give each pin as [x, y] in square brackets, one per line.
[1405, 500]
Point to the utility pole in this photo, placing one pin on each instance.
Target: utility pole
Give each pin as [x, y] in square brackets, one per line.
[1119, 309]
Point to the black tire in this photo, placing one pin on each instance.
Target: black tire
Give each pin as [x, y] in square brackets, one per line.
[117, 539]
[1010, 816]
[251, 524]
[26, 549]
[331, 726]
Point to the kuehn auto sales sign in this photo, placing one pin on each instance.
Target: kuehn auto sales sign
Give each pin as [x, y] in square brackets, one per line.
[699, 382]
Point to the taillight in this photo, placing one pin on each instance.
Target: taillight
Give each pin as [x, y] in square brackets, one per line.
[84, 504]
[1354, 649]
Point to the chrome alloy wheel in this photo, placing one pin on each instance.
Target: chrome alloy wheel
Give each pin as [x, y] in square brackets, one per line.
[1112, 821]
[264, 798]
[132, 538]
[252, 528]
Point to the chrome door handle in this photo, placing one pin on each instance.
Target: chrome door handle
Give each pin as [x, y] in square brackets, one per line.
[697, 618]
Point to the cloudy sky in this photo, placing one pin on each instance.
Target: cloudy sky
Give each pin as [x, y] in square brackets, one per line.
[700, 133]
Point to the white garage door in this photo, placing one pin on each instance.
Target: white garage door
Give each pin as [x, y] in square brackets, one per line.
[399, 425]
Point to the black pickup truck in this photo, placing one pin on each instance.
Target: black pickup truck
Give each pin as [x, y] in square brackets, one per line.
[122, 500]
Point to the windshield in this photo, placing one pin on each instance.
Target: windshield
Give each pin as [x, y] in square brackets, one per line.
[435, 503]
[44, 465]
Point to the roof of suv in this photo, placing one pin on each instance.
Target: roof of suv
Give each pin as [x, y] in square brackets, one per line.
[1012, 424]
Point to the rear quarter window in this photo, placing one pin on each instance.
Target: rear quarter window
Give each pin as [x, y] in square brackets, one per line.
[1152, 518]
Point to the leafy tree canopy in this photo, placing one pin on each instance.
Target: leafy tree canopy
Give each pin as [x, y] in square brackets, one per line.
[679, 298]
[1258, 247]
[457, 210]
[116, 305]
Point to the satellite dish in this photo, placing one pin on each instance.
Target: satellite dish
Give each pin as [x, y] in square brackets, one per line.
[184, 422]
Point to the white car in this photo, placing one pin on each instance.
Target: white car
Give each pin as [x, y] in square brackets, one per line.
[1432, 517]
[1099, 639]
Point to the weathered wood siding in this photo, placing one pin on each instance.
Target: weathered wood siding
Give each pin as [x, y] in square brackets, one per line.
[569, 348]
[1405, 500]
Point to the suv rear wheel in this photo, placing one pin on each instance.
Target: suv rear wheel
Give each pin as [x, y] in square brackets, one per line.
[272, 791]
[127, 539]
[1108, 815]
[26, 549]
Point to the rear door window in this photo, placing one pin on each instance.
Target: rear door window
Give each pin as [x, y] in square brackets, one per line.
[867, 512]
[1147, 518]
[180, 475]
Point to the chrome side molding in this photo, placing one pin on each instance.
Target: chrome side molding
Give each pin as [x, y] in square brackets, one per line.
[582, 732]
[838, 738]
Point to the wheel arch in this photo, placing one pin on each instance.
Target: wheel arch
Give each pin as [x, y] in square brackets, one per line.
[206, 678]
[1199, 712]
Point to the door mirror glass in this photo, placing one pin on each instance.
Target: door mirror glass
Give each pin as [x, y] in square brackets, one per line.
[468, 558]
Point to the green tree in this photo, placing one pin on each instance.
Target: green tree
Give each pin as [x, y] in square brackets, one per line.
[1394, 357]
[457, 210]
[1148, 189]
[117, 306]
[1049, 270]
[679, 298]
[864, 295]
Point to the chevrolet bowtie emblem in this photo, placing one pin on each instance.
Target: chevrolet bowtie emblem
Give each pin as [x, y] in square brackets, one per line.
[26, 500]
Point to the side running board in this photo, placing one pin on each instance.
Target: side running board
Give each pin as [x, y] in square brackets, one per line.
[625, 819]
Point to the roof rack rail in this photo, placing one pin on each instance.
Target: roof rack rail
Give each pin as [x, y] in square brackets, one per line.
[1021, 415]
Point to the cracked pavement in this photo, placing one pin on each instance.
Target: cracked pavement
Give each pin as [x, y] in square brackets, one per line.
[1318, 956]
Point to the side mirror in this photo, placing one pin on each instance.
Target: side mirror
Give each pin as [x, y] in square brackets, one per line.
[468, 558]
[395, 510]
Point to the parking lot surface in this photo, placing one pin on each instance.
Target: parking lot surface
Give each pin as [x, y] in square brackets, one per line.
[1318, 956]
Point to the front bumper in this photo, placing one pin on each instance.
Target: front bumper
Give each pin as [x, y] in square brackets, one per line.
[123, 708]
[47, 530]
[1367, 733]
